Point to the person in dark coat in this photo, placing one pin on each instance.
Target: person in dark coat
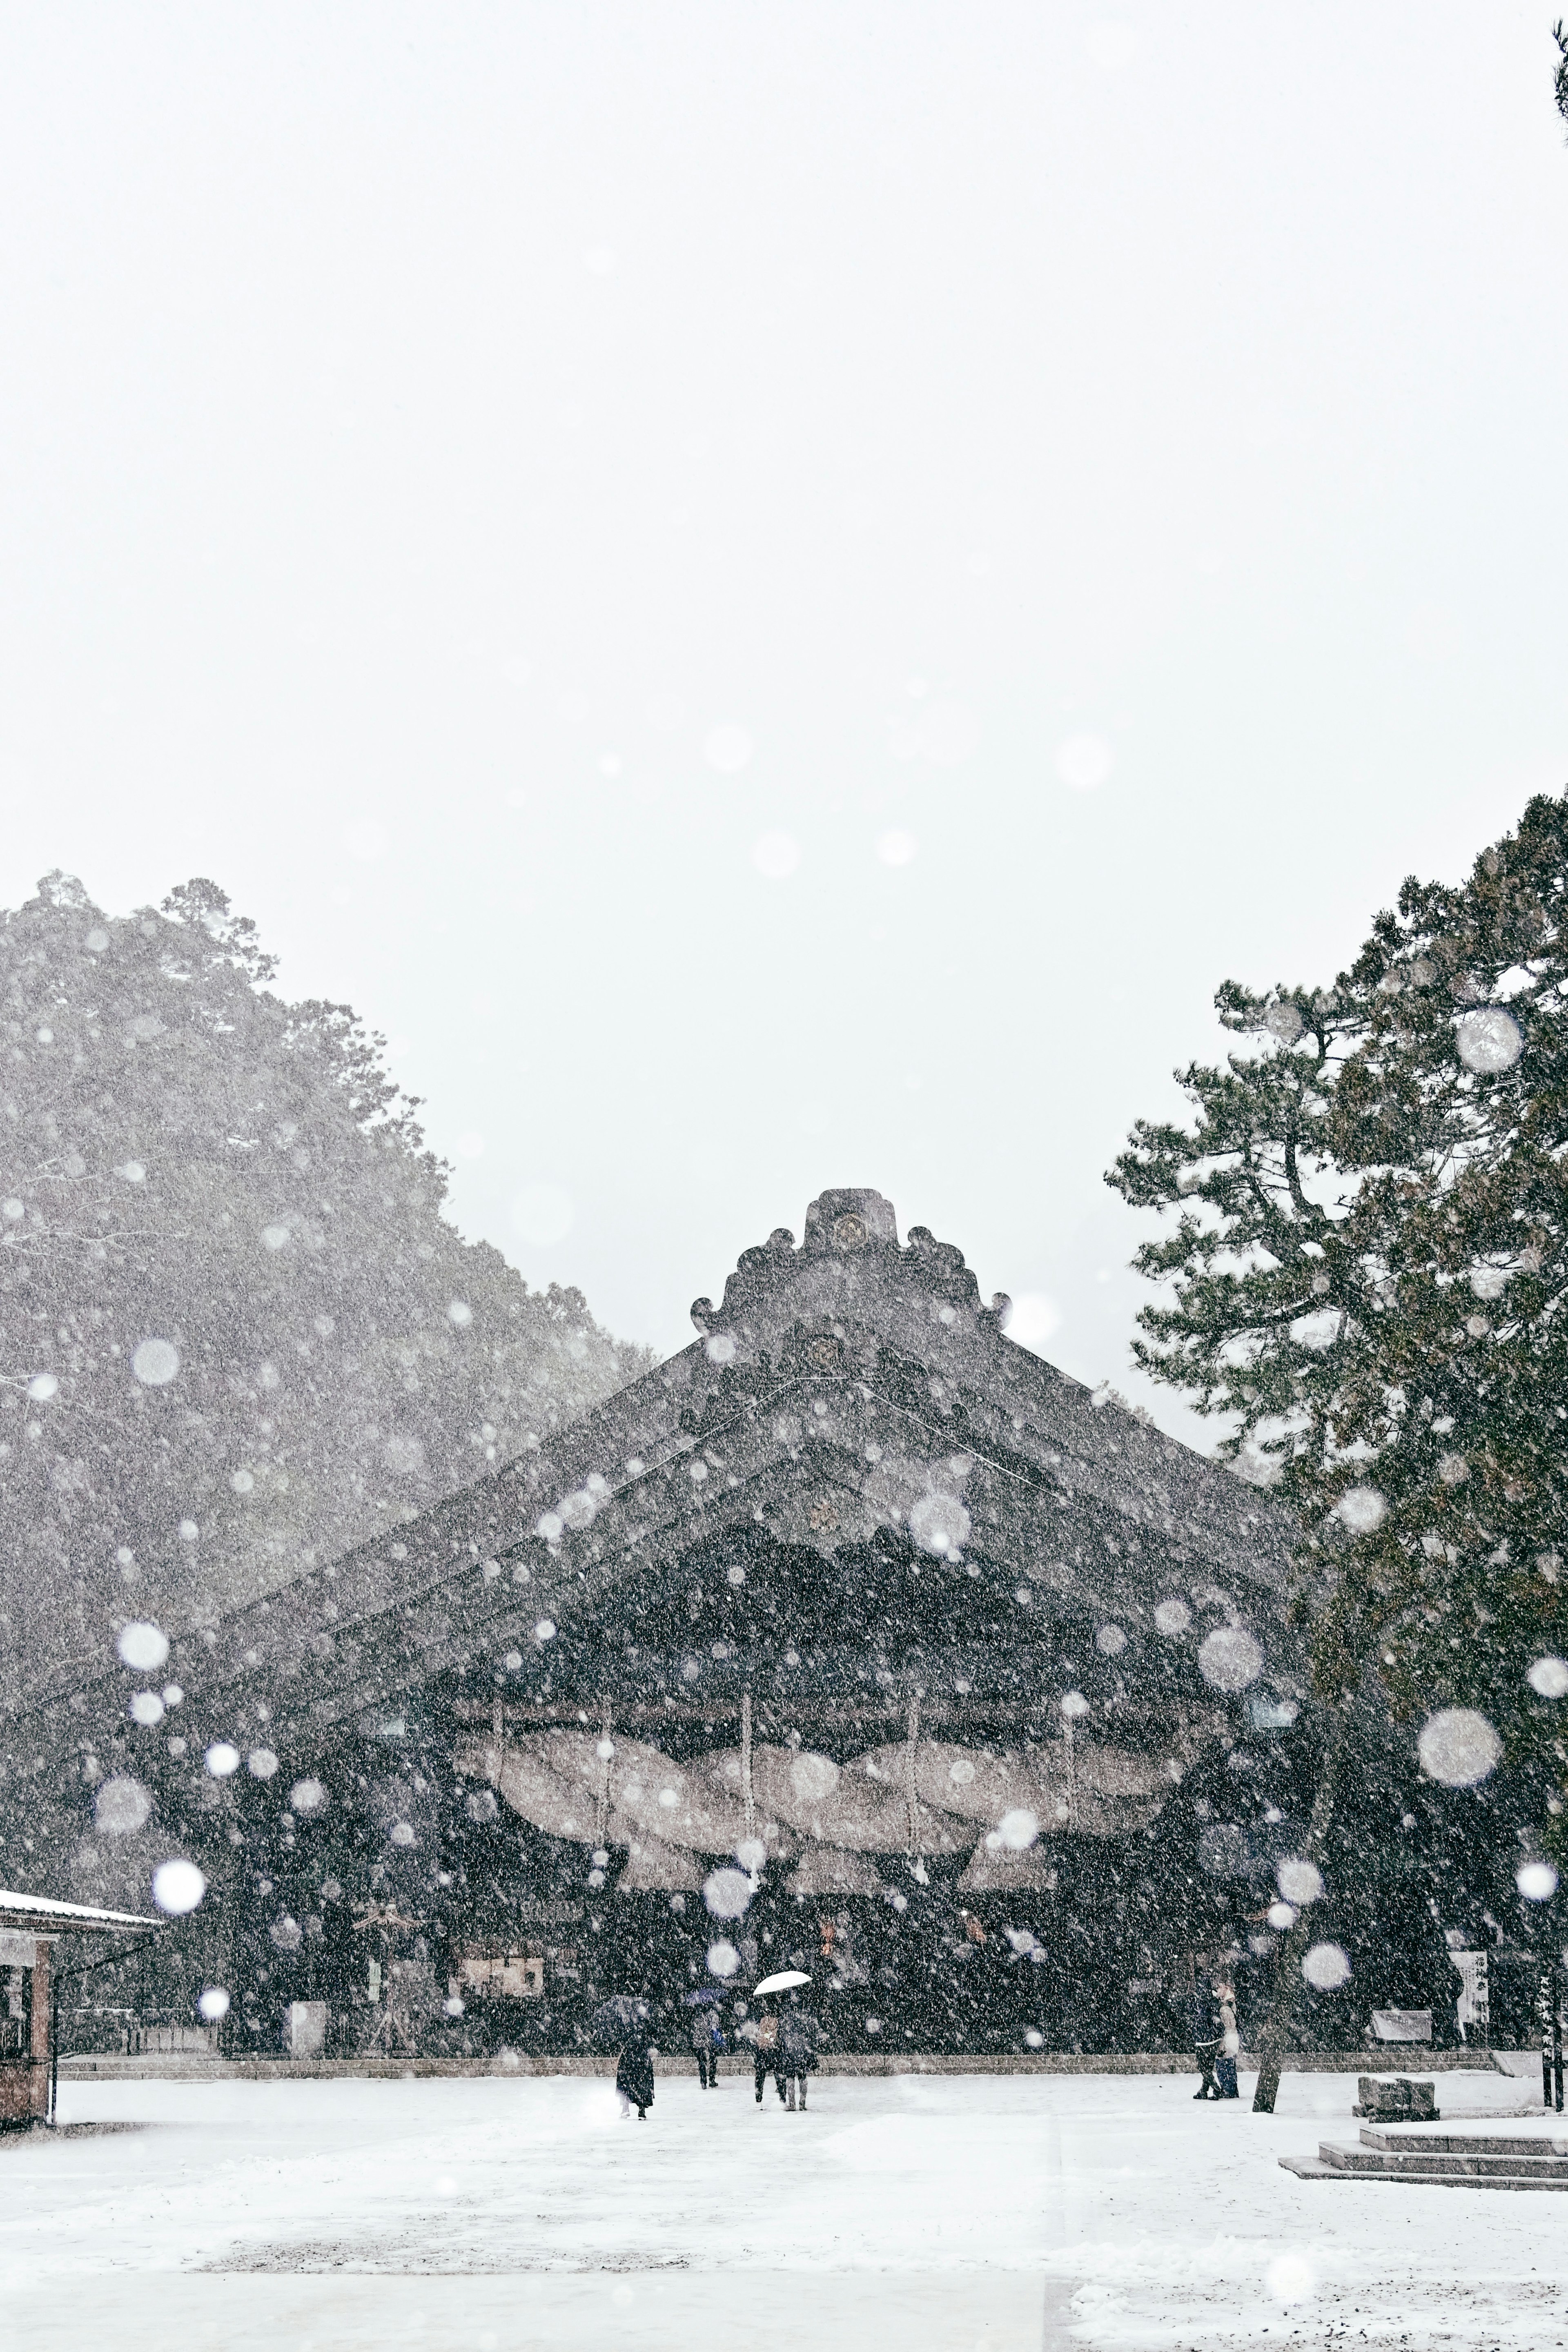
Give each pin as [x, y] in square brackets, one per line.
[633, 2078]
[707, 2040]
[1209, 2034]
[799, 2036]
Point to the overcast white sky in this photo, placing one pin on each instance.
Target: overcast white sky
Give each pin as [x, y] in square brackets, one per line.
[1086, 491]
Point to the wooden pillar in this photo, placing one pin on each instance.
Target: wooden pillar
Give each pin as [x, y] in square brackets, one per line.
[601, 1796]
[42, 2030]
[748, 1796]
[912, 1767]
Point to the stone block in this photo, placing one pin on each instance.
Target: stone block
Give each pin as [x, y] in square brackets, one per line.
[1396, 2099]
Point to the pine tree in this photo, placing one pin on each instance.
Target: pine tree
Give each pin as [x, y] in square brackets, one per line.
[1368, 1279]
[236, 1333]
[1367, 1276]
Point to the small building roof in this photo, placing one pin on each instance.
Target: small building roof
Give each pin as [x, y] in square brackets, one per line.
[40, 1914]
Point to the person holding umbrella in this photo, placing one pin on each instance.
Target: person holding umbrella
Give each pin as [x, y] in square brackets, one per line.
[622, 2021]
[763, 2038]
[633, 2076]
[780, 2047]
[799, 2035]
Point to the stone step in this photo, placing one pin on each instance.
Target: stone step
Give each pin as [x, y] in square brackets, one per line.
[1544, 2166]
[1416, 2140]
[1305, 2169]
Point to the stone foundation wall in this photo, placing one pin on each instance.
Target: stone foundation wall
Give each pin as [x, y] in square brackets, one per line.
[182, 2067]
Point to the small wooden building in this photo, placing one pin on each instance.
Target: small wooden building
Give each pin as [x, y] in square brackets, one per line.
[30, 1927]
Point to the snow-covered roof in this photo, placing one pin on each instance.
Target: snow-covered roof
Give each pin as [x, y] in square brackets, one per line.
[44, 1913]
[846, 1391]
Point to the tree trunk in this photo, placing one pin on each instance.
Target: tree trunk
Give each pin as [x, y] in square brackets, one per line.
[1288, 1976]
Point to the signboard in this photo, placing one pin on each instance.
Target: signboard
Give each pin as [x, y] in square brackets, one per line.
[1474, 2007]
[1402, 2025]
[510, 1976]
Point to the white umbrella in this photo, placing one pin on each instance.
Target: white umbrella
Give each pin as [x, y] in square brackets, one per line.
[782, 1982]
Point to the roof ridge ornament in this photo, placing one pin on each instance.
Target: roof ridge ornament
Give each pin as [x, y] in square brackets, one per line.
[846, 1224]
[849, 1220]
[751, 1265]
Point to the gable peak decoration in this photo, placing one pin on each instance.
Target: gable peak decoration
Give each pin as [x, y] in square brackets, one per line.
[853, 1231]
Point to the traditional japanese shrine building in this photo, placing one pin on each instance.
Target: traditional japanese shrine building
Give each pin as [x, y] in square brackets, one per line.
[854, 1632]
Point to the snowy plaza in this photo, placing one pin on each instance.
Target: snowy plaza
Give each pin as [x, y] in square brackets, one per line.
[918, 2213]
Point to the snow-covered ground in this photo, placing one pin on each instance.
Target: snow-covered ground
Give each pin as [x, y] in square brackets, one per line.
[921, 2213]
